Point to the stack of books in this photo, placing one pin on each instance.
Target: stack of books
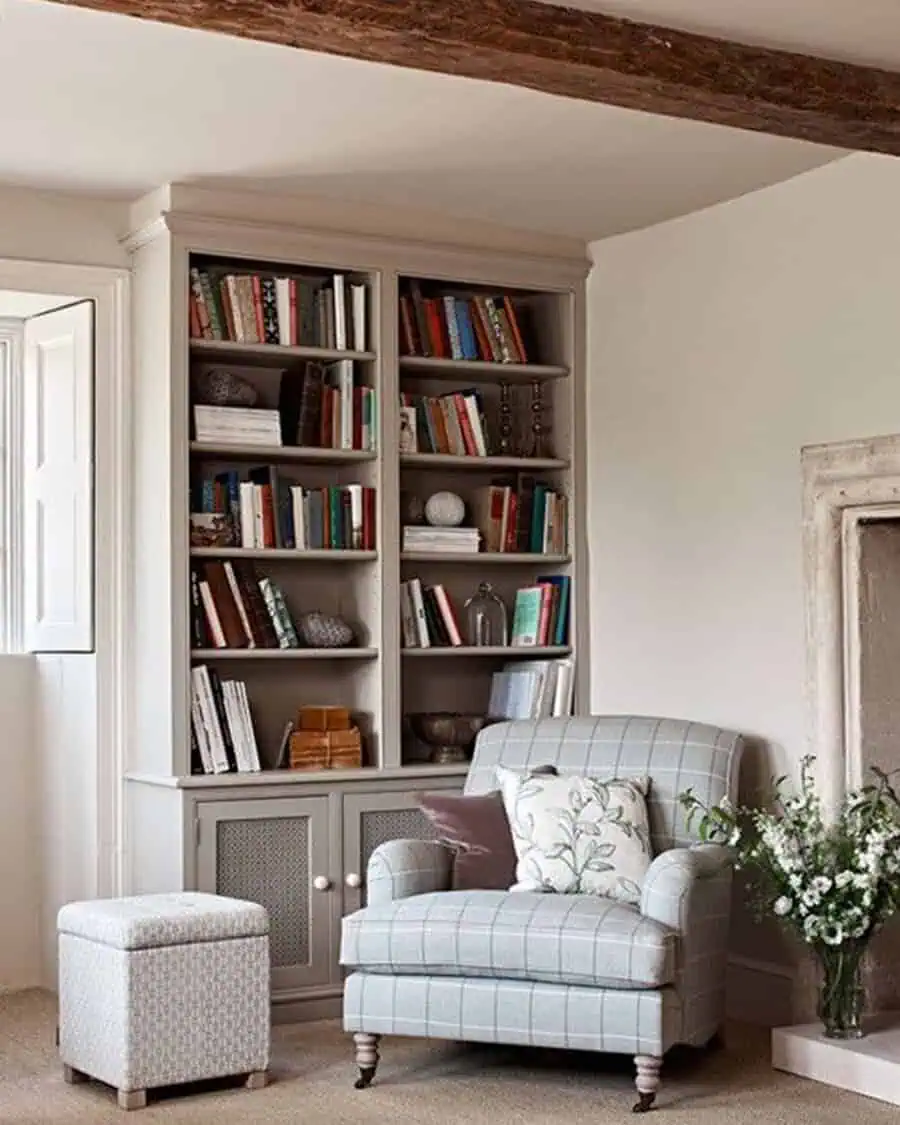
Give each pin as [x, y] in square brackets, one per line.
[327, 407]
[237, 425]
[231, 607]
[222, 735]
[427, 617]
[261, 308]
[490, 328]
[533, 689]
[452, 540]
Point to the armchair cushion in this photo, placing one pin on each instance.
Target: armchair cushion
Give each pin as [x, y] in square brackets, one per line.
[477, 830]
[561, 939]
[578, 835]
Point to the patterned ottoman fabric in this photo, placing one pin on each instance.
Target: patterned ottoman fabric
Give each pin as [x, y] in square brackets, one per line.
[145, 921]
[163, 989]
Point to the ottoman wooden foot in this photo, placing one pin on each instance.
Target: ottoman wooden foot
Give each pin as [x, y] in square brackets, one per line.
[132, 1099]
[257, 1079]
[71, 1076]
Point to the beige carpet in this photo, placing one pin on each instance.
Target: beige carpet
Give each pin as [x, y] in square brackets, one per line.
[422, 1083]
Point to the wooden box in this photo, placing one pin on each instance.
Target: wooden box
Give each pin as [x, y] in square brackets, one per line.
[326, 749]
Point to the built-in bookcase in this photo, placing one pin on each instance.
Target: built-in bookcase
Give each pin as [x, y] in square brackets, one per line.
[525, 405]
[293, 334]
[298, 841]
[303, 340]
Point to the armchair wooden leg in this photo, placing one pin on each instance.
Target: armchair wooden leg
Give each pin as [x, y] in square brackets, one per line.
[646, 1081]
[366, 1058]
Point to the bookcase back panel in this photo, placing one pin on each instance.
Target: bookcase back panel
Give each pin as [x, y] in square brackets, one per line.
[278, 689]
[319, 586]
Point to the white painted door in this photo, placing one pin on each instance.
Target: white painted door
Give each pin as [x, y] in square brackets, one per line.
[59, 480]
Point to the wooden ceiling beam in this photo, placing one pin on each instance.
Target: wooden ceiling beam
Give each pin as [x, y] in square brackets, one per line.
[572, 53]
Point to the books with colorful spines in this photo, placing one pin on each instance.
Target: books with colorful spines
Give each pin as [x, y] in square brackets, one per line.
[531, 616]
[558, 633]
[264, 307]
[480, 326]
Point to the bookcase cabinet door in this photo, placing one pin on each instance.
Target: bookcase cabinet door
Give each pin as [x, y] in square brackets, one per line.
[371, 819]
[276, 852]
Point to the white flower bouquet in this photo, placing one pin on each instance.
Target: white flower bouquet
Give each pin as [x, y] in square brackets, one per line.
[833, 882]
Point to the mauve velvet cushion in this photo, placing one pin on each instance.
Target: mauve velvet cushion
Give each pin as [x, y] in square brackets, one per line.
[477, 830]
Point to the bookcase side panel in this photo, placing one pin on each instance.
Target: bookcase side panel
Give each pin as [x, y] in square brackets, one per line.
[157, 673]
[574, 327]
[389, 497]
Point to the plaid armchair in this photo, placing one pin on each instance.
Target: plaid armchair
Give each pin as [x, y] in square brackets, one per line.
[548, 970]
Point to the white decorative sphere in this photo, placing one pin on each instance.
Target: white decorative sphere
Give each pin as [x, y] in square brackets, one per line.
[445, 509]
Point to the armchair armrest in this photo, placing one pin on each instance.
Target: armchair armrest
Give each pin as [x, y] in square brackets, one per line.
[689, 890]
[673, 876]
[401, 868]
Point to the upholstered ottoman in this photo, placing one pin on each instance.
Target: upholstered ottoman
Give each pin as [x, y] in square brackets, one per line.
[161, 989]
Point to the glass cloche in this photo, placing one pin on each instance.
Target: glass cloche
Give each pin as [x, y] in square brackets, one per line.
[486, 624]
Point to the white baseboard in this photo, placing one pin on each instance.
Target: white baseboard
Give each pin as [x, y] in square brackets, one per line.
[760, 992]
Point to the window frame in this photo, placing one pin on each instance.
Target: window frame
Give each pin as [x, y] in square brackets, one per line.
[12, 575]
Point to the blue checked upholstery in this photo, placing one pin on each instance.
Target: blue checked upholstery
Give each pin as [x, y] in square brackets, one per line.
[559, 939]
[557, 970]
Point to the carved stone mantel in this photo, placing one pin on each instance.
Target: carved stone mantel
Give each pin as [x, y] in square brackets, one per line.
[843, 485]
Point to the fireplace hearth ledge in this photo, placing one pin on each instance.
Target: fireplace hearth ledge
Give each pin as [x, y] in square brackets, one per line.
[868, 1066]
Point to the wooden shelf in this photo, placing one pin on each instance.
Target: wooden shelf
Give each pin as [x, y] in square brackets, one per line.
[507, 651]
[299, 777]
[280, 453]
[479, 371]
[453, 461]
[485, 558]
[273, 554]
[272, 355]
[284, 653]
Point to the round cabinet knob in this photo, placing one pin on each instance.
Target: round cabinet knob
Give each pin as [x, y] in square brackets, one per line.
[322, 883]
[353, 880]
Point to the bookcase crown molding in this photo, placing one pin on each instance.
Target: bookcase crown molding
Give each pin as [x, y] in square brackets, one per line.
[285, 228]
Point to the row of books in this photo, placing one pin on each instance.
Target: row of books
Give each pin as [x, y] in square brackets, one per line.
[490, 328]
[263, 308]
[528, 517]
[268, 511]
[428, 617]
[232, 607]
[541, 613]
[533, 689]
[222, 736]
[327, 407]
[450, 423]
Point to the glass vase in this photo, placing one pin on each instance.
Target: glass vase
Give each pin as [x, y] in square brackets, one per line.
[486, 624]
[841, 994]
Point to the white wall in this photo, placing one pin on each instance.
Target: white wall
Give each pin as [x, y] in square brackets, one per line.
[46, 227]
[720, 344]
[20, 838]
[48, 707]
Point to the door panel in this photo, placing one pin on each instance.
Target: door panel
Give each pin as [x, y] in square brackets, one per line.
[59, 480]
[272, 852]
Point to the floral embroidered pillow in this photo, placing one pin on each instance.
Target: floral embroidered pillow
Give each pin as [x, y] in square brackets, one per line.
[578, 835]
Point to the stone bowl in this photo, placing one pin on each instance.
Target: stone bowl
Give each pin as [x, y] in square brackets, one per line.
[450, 735]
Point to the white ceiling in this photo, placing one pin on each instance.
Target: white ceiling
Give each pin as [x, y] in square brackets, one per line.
[111, 106]
[861, 31]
